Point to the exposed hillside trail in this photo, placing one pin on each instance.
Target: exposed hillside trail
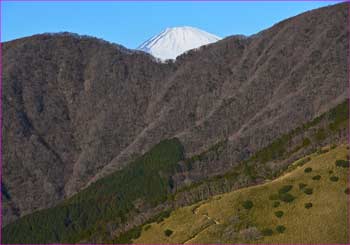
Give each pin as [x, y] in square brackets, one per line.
[195, 235]
[212, 222]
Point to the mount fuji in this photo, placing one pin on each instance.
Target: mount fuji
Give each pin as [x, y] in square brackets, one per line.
[172, 42]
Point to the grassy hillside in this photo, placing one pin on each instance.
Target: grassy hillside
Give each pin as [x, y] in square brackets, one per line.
[106, 203]
[308, 204]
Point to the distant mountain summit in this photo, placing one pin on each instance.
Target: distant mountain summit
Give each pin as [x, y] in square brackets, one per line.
[172, 42]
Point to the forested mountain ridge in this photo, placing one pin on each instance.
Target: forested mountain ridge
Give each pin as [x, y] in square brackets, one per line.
[78, 108]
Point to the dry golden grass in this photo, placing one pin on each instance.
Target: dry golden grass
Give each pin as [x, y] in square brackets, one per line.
[223, 218]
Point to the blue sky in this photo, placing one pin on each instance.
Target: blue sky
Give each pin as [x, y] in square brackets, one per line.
[131, 23]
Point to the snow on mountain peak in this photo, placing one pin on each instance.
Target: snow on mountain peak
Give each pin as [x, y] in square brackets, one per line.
[174, 41]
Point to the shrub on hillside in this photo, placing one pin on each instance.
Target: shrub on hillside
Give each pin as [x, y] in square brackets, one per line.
[285, 189]
[316, 177]
[280, 228]
[276, 204]
[330, 172]
[286, 197]
[159, 218]
[308, 170]
[334, 178]
[302, 186]
[247, 204]
[267, 232]
[279, 214]
[168, 232]
[308, 205]
[342, 163]
[274, 197]
[308, 191]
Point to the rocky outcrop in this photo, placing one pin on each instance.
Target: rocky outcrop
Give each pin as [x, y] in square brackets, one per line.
[76, 108]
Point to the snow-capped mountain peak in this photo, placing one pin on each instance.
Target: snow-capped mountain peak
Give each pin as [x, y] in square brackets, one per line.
[172, 42]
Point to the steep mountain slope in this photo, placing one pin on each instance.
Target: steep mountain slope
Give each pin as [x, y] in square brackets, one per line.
[174, 41]
[102, 207]
[113, 208]
[62, 112]
[307, 205]
[78, 108]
